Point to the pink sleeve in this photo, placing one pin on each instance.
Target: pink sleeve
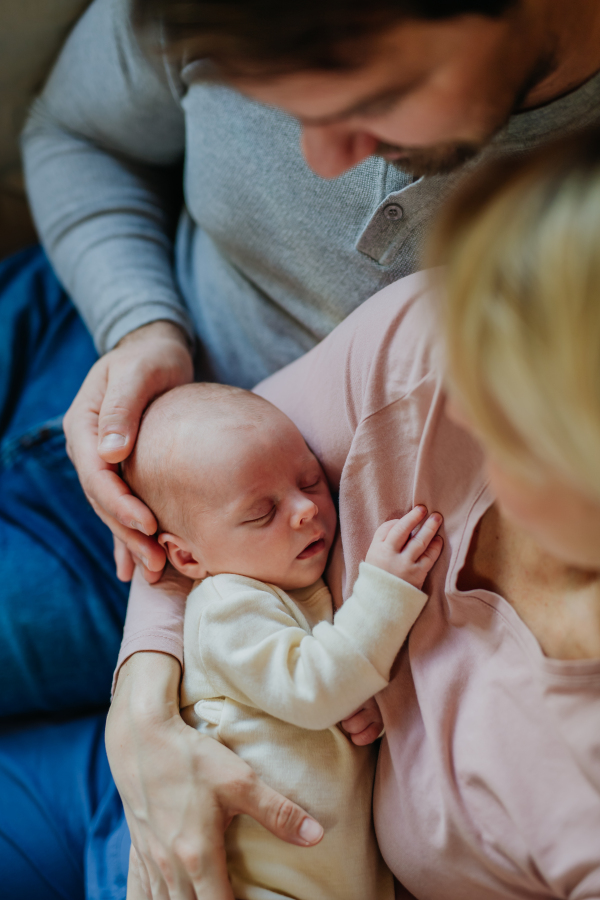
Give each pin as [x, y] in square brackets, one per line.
[154, 621]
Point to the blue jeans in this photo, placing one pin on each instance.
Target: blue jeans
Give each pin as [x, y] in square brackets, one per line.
[63, 834]
[61, 605]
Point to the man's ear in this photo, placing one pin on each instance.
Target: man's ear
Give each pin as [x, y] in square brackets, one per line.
[181, 557]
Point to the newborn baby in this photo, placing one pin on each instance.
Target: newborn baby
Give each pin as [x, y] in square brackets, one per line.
[245, 511]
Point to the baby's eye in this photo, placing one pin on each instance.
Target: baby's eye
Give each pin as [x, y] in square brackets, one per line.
[262, 520]
[312, 485]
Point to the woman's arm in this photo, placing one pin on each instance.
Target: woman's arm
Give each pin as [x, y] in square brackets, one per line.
[180, 789]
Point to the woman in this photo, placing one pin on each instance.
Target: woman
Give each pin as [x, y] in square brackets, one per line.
[489, 776]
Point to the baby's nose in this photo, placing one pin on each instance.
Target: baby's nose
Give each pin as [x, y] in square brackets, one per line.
[304, 512]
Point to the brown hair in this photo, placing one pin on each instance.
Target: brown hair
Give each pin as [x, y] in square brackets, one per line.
[279, 36]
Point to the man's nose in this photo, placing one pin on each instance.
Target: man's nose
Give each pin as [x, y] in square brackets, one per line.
[304, 511]
[330, 150]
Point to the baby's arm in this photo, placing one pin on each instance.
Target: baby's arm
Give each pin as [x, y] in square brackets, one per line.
[252, 650]
[410, 559]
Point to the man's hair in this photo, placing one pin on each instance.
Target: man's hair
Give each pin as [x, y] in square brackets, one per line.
[520, 307]
[279, 36]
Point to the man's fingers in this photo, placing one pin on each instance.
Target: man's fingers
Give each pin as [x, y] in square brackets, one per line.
[280, 816]
[124, 561]
[139, 372]
[146, 550]
[129, 390]
[118, 501]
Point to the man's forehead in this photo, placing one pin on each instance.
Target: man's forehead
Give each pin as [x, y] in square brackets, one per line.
[395, 62]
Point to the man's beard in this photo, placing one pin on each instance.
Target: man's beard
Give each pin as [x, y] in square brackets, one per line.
[438, 160]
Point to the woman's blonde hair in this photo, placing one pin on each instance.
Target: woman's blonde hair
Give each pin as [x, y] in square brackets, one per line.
[521, 307]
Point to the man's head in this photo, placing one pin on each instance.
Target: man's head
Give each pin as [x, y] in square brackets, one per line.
[425, 83]
[234, 487]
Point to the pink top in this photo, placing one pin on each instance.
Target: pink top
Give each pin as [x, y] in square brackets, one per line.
[488, 783]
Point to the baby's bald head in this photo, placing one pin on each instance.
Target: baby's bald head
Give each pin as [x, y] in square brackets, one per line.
[185, 436]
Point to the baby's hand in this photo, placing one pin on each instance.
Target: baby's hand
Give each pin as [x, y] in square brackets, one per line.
[409, 558]
[365, 725]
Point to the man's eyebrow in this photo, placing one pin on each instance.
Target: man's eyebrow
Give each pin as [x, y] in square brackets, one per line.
[361, 106]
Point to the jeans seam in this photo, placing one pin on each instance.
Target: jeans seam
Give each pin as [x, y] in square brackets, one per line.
[12, 448]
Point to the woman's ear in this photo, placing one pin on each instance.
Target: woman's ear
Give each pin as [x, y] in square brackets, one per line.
[181, 557]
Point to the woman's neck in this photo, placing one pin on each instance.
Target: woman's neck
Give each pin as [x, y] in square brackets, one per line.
[560, 605]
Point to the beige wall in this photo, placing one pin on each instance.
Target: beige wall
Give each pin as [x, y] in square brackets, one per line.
[31, 33]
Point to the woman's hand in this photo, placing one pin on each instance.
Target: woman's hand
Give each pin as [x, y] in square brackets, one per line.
[101, 426]
[181, 789]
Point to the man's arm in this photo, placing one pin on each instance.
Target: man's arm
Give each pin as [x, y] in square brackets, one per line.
[102, 149]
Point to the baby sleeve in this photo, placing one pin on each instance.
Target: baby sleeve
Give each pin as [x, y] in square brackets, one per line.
[253, 651]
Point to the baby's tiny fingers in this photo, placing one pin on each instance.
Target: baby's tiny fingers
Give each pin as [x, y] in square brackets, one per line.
[384, 529]
[367, 736]
[421, 541]
[402, 529]
[432, 554]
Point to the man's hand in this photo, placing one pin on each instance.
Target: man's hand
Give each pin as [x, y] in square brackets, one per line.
[400, 552]
[180, 789]
[365, 725]
[101, 427]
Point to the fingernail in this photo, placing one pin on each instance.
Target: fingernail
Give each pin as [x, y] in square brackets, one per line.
[310, 831]
[137, 526]
[113, 441]
[145, 561]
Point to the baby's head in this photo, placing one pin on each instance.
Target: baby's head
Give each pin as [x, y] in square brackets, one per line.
[234, 487]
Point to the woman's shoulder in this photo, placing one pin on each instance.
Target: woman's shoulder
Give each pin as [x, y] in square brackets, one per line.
[382, 352]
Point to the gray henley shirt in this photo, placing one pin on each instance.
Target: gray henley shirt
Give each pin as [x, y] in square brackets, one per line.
[266, 257]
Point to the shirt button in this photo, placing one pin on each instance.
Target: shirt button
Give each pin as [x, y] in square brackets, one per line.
[393, 211]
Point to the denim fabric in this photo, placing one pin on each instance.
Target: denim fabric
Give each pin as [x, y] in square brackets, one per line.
[63, 834]
[61, 606]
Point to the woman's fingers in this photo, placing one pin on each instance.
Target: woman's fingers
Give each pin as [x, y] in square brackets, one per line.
[280, 816]
[138, 884]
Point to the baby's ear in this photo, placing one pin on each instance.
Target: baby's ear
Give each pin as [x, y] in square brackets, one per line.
[181, 557]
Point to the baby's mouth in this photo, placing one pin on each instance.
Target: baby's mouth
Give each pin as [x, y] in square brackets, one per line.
[313, 548]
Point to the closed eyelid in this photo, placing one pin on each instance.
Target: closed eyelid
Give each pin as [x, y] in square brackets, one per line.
[266, 515]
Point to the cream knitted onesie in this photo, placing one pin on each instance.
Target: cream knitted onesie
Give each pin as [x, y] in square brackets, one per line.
[270, 674]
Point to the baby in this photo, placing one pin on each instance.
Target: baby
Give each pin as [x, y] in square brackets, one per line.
[245, 511]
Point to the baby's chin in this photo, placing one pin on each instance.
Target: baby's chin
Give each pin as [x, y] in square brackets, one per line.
[302, 577]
